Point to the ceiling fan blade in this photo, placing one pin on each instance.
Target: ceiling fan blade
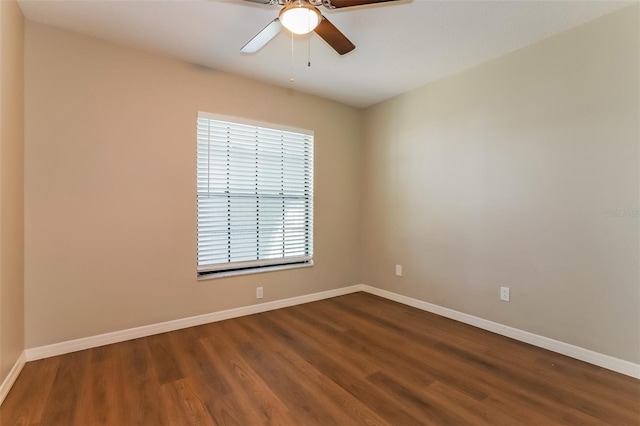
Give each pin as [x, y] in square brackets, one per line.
[263, 37]
[260, 1]
[334, 38]
[350, 3]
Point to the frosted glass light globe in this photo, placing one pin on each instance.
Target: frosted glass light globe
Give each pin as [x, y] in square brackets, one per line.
[300, 19]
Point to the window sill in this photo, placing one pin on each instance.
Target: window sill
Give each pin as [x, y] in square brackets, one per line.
[227, 274]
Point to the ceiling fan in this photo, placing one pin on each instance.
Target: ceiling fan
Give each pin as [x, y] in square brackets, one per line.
[303, 17]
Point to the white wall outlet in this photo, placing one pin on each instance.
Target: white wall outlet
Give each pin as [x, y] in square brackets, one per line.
[505, 294]
[258, 292]
[398, 270]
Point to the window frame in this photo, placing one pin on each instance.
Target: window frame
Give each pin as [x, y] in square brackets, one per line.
[220, 270]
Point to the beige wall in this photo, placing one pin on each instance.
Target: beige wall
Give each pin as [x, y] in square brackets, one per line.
[110, 212]
[11, 186]
[501, 176]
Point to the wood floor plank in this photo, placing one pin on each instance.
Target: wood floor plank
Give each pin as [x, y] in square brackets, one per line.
[416, 399]
[370, 354]
[283, 325]
[258, 402]
[140, 389]
[186, 404]
[356, 359]
[596, 378]
[164, 359]
[26, 401]
[69, 383]
[471, 411]
[401, 344]
[337, 368]
[98, 402]
[569, 396]
[348, 351]
[273, 359]
[194, 360]
[281, 378]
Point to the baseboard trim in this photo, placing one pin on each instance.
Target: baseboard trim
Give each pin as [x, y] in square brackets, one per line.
[586, 355]
[11, 378]
[163, 327]
[582, 354]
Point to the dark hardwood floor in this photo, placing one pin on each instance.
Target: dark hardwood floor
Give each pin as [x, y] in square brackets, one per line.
[352, 360]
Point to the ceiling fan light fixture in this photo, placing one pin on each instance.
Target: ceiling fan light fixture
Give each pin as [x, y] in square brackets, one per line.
[300, 17]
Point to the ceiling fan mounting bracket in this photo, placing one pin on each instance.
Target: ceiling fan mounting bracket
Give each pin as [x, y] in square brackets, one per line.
[327, 4]
[316, 3]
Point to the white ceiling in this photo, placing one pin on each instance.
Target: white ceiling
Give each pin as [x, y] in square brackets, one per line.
[399, 45]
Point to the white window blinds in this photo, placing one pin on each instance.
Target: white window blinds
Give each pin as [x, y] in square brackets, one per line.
[255, 196]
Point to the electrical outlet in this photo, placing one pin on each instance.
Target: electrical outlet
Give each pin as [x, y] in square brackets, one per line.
[398, 270]
[505, 294]
[258, 292]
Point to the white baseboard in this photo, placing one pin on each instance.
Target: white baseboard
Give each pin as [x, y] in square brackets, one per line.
[601, 360]
[163, 327]
[586, 355]
[5, 387]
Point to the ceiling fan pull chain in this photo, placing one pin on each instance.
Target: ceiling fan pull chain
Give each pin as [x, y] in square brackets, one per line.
[309, 45]
[292, 78]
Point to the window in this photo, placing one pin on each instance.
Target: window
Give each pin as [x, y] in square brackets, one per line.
[255, 196]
